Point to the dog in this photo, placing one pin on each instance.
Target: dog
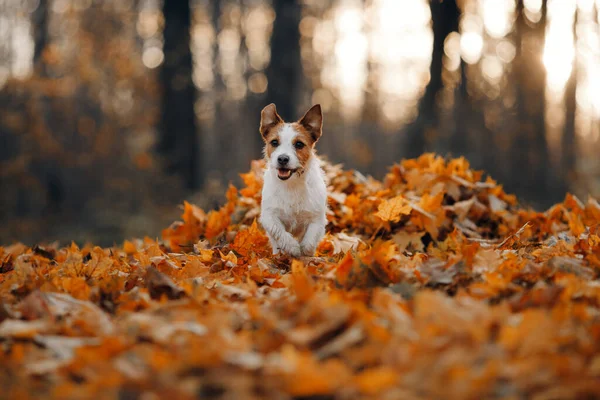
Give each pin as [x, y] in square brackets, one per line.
[294, 194]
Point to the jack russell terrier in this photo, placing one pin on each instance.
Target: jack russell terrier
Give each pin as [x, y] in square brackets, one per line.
[294, 195]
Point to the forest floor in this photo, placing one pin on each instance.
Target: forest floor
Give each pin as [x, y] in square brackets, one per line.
[434, 283]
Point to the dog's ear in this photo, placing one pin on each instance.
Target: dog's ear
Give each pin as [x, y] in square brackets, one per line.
[268, 119]
[313, 122]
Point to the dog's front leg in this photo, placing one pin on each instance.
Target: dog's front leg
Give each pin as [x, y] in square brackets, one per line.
[281, 240]
[312, 237]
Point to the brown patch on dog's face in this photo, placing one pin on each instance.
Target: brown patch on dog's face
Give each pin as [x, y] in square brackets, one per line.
[270, 124]
[303, 143]
[272, 140]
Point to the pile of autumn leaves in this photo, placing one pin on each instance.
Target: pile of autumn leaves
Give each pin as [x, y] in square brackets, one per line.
[434, 283]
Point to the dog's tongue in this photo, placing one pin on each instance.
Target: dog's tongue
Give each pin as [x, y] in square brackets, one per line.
[284, 173]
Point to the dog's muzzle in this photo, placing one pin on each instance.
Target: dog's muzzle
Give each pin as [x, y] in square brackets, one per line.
[285, 173]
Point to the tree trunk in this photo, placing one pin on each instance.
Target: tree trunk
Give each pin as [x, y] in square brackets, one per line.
[285, 67]
[569, 138]
[40, 19]
[530, 156]
[178, 135]
[444, 17]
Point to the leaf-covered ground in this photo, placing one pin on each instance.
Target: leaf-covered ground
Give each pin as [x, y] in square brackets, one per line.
[434, 283]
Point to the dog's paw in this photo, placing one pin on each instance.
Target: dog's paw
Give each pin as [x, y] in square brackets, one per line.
[290, 247]
[309, 247]
[308, 250]
[294, 250]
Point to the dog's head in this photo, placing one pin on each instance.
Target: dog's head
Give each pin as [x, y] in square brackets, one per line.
[289, 145]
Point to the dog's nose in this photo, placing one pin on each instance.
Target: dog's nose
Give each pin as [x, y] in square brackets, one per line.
[283, 159]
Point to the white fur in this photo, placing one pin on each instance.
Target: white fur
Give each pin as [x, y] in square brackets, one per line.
[293, 211]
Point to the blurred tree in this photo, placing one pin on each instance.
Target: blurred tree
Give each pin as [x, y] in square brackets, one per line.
[444, 16]
[530, 158]
[178, 141]
[569, 140]
[217, 10]
[74, 141]
[46, 169]
[285, 67]
[40, 19]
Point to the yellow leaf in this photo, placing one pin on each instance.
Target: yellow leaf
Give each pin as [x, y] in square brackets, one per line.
[229, 257]
[206, 255]
[393, 209]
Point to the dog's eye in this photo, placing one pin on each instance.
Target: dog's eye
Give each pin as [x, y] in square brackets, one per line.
[274, 143]
[299, 145]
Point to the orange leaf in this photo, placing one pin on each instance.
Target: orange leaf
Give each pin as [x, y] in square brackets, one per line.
[129, 247]
[206, 255]
[250, 240]
[432, 204]
[253, 185]
[575, 224]
[343, 269]
[301, 282]
[218, 221]
[375, 380]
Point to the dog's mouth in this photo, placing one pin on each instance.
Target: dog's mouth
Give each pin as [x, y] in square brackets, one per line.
[284, 173]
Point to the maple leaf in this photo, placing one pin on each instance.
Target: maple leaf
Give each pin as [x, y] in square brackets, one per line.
[180, 235]
[409, 241]
[392, 210]
[252, 186]
[250, 240]
[343, 242]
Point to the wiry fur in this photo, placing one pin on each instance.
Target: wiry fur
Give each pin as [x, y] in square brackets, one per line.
[293, 210]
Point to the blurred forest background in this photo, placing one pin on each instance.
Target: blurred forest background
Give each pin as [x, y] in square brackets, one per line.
[114, 111]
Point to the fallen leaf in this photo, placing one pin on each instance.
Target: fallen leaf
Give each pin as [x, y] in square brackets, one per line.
[393, 209]
[159, 284]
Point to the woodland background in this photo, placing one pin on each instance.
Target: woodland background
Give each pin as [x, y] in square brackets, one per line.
[112, 112]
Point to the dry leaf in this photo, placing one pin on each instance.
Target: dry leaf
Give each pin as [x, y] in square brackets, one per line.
[469, 290]
[393, 209]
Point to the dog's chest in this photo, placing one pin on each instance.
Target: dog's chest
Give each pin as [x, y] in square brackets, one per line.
[294, 208]
[296, 205]
[295, 214]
